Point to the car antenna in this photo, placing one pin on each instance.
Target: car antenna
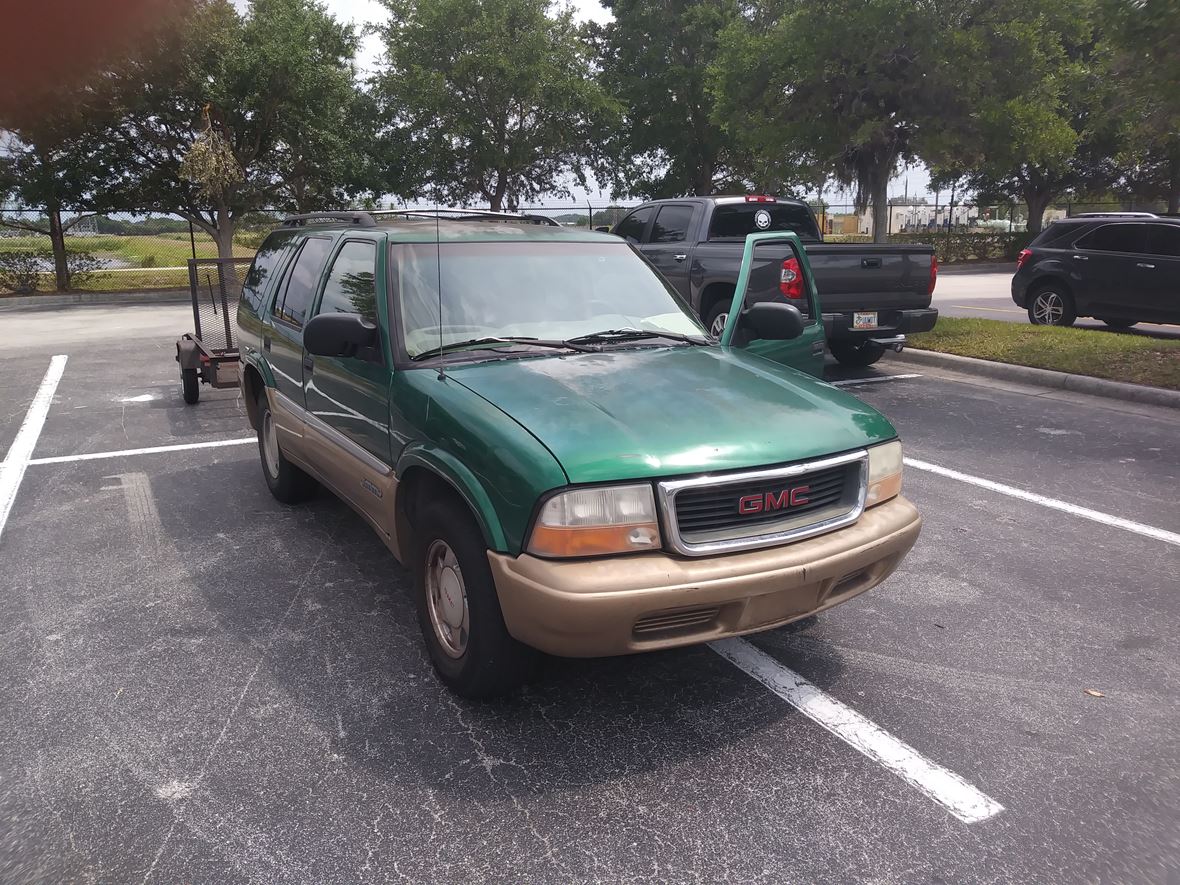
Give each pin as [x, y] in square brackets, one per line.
[442, 375]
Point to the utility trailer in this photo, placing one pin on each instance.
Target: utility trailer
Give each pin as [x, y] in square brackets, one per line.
[209, 353]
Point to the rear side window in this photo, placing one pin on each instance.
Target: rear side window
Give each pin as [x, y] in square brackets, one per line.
[733, 221]
[352, 283]
[296, 297]
[672, 224]
[1116, 238]
[1163, 239]
[257, 281]
[632, 227]
[1056, 234]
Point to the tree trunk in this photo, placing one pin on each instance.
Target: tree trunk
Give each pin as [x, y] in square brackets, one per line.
[57, 239]
[1038, 202]
[224, 237]
[1174, 185]
[880, 198]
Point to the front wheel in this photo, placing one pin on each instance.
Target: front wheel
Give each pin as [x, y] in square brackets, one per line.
[856, 354]
[1051, 306]
[458, 609]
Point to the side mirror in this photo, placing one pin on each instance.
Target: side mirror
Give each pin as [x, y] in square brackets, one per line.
[341, 335]
[772, 321]
[603, 229]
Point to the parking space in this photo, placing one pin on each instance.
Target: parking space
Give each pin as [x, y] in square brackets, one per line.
[199, 684]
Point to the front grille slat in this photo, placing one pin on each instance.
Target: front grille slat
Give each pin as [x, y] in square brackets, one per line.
[706, 512]
[668, 621]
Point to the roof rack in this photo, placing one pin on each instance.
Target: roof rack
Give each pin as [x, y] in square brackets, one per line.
[470, 215]
[355, 217]
[1114, 215]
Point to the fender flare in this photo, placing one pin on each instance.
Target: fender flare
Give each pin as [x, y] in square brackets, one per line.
[187, 353]
[465, 483]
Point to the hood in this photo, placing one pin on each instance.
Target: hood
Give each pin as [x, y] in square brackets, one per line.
[655, 412]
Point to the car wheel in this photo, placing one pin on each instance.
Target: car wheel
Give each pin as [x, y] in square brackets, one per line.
[1118, 324]
[856, 354]
[190, 385]
[716, 318]
[287, 482]
[1051, 306]
[458, 609]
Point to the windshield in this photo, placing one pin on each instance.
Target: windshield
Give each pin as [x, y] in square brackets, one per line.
[546, 290]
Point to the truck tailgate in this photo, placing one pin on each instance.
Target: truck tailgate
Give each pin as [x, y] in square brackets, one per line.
[854, 276]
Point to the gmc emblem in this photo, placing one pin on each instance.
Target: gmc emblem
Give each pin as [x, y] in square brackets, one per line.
[774, 501]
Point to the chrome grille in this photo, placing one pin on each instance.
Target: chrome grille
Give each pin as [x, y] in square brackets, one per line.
[760, 508]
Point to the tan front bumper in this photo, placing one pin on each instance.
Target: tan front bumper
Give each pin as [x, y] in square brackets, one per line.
[596, 607]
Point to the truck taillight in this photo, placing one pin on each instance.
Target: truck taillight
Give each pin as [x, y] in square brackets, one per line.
[933, 273]
[1025, 255]
[790, 280]
[760, 198]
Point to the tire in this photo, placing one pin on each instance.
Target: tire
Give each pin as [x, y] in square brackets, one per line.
[286, 482]
[716, 316]
[458, 609]
[1051, 305]
[1118, 324]
[856, 354]
[191, 386]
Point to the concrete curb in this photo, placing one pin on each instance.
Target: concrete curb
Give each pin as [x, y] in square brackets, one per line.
[152, 296]
[1120, 390]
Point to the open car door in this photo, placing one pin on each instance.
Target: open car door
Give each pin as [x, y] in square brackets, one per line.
[804, 352]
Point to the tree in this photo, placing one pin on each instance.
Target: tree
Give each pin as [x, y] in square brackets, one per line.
[1144, 59]
[655, 58]
[1041, 125]
[844, 88]
[491, 99]
[52, 161]
[226, 115]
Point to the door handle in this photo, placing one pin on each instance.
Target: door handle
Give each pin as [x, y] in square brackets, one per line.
[308, 363]
[266, 342]
[679, 257]
[870, 262]
[1146, 266]
[1081, 258]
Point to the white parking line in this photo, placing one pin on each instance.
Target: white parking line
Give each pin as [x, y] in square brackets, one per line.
[1138, 528]
[854, 381]
[943, 786]
[180, 447]
[12, 470]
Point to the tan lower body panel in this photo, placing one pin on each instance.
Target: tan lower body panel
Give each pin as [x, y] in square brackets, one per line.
[368, 487]
[598, 607]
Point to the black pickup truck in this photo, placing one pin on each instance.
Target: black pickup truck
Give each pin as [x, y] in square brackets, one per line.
[870, 295]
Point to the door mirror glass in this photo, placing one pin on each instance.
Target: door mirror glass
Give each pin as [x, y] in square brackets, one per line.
[771, 321]
[341, 335]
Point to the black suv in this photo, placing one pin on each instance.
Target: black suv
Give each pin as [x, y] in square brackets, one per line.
[1122, 268]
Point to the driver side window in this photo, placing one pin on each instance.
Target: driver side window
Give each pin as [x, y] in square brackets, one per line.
[352, 281]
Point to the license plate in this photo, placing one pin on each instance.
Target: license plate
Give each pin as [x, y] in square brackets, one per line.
[865, 320]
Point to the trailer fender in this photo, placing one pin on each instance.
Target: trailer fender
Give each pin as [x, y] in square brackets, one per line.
[187, 353]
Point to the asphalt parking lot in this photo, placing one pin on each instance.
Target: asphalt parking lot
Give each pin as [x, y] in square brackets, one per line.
[198, 684]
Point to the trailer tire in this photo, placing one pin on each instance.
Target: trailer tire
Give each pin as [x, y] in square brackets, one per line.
[856, 354]
[191, 385]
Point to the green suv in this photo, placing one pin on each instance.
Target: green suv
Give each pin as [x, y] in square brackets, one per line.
[540, 429]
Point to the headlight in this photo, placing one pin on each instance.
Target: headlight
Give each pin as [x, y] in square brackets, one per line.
[884, 473]
[592, 522]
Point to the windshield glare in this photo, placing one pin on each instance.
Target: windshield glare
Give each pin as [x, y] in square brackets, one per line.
[548, 290]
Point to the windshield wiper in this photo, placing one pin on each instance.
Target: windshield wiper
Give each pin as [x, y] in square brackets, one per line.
[493, 341]
[610, 335]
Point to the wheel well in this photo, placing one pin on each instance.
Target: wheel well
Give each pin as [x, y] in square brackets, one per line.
[419, 485]
[252, 386]
[1044, 283]
[713, 293]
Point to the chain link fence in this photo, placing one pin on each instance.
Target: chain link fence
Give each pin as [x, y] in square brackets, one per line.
[116, 252]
